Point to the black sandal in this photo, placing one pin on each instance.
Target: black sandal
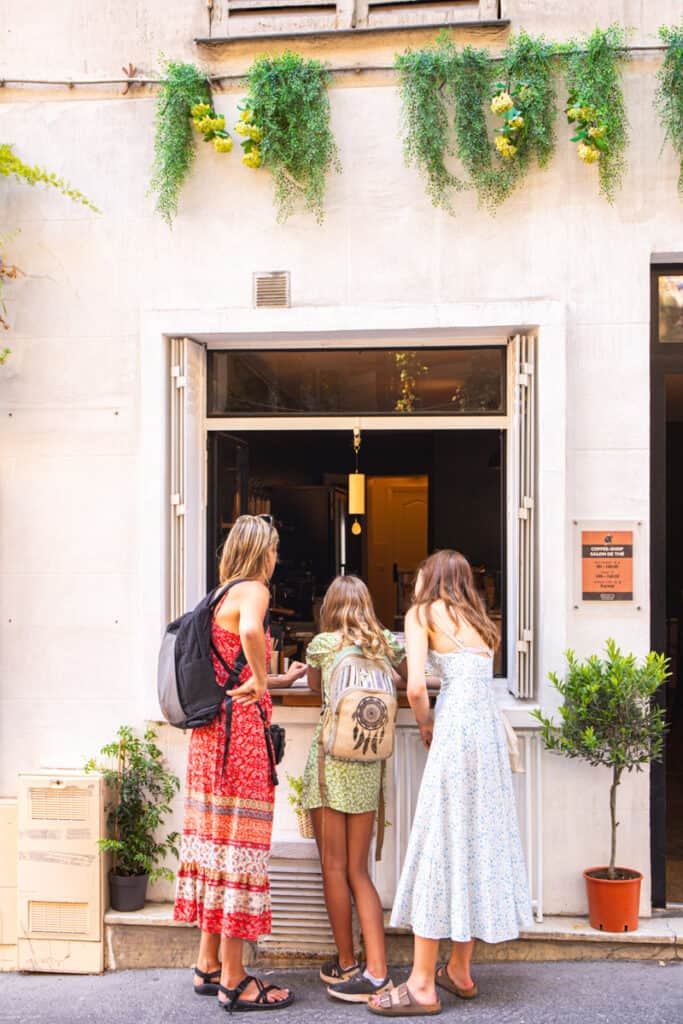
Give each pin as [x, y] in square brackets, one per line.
[208, 987]
[233, 1002]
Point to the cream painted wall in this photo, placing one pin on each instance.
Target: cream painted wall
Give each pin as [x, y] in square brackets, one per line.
[78, 518]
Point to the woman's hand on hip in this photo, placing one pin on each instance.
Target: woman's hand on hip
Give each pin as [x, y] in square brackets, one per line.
[249, 692]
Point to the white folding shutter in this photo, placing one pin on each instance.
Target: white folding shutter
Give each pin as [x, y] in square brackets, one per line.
[525, 492]
[188, 396]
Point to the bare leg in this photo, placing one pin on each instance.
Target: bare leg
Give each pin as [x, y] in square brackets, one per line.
[368, 906]
[232, 972]
[207, 957]
[459, 964]
[421, 980]
[330, 835]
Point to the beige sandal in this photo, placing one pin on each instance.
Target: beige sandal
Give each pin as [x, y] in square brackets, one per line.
[444, 980]
[400, 1002]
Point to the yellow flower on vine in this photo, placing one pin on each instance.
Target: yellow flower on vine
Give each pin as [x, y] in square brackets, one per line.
[241, 128]
[589, 154]
[246, 115]
[517, 122]
[200, 110]
[597, 131]
[255, 133]
[501, 103]
[205, 124]
[222, 145]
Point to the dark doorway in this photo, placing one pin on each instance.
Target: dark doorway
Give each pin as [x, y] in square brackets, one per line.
[667, 574]
[300, 478]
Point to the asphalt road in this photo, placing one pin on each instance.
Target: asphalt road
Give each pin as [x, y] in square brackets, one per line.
[515, 993]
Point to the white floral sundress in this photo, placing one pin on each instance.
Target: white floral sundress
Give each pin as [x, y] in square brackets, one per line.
[464, 874]
[351, 786]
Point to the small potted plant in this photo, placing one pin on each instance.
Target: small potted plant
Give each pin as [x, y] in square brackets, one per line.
[140, 788]
[609, 719]
[303, 815]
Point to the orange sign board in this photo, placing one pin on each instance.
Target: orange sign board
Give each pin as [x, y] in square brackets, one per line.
[607, 565]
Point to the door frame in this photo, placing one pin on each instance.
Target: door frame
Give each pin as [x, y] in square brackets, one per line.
[665, 358]
[509, 497]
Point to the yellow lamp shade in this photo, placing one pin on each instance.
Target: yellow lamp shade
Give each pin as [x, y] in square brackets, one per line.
[356, 494]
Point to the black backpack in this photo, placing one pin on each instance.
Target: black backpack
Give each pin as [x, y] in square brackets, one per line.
[189, 694]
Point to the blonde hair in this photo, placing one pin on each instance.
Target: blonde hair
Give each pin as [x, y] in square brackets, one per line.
[246, 548]
[447, 576]
[348, 609]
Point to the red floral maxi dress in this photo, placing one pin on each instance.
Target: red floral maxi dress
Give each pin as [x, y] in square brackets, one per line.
[223, 872]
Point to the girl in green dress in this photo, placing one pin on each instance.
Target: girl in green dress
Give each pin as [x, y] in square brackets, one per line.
[344, 826]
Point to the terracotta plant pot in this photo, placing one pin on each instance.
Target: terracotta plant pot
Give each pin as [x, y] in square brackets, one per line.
[127, 891]
[613, 903]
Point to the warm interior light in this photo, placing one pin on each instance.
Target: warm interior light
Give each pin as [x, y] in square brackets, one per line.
[356, 494]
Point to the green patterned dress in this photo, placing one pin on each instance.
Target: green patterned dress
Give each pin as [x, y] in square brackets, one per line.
[352, 786]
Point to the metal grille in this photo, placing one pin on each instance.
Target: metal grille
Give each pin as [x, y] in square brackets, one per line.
[69, 804]
[525, 388]
[272, 289]
[300, 921]
[58, 918]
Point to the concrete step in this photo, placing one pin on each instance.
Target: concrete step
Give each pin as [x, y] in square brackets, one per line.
[151, 938]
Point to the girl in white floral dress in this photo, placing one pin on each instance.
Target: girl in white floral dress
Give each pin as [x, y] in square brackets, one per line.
[464, 875]
[344, 825]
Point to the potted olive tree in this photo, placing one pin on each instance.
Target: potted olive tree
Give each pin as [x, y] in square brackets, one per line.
[609, 719]
[140, 788]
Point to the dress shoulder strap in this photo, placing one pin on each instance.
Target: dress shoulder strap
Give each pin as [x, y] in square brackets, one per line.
[459, 645]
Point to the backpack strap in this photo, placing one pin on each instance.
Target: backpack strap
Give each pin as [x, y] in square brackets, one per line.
[381, 814]
[232, 682]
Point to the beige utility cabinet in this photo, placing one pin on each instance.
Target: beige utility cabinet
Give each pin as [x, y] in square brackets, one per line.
[8, 884]
[60, 881]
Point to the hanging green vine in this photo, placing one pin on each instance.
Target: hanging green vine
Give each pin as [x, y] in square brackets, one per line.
[470, 81]
[669, 95]
[595, 103]
[422, 79]
[10, 164]
[289, 107]
[526, 98]
[434, 77]
[184, 87]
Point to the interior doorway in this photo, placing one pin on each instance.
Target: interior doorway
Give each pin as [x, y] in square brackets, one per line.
[426, 489]
[398, 527]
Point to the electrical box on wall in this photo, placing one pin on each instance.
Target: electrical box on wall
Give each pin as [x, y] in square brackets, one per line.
[60, 881]
[8, 884]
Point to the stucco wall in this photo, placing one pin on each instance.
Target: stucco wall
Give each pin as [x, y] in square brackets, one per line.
[74, 643]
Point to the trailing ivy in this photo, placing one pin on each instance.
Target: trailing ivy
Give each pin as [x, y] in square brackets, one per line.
[11, 165]
[423, 76]
[184, 86]
[669, 95]
[470, 81]
[527, 94]
[289, 106]
[435, 77]
[596, 103]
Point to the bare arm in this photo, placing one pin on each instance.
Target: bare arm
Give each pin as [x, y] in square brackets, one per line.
[417, 642]
[281, 680]
[253, 605]
[400, 672]
[314, 678]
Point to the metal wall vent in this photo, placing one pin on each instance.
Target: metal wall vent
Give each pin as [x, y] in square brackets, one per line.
[58, 918]
[300, 921]
[70, 804]
[271, 289]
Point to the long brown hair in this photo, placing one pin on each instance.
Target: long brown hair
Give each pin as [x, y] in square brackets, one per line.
[246, 548]
[447, 576]
[348, 609]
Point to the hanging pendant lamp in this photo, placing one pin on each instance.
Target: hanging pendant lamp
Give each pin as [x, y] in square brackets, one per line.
[356, 488]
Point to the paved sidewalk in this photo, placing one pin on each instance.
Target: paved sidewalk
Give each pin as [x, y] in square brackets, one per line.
[511, 993]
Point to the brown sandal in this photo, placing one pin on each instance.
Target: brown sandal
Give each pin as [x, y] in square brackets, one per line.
[444, 980]
[400, 1002]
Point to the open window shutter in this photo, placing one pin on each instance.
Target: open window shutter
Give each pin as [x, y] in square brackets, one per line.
[187, 475]
[525, 490]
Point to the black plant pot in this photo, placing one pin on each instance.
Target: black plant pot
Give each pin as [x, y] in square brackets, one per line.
[127, 891]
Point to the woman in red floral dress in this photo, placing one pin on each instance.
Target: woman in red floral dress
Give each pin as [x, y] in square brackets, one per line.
[223, 871]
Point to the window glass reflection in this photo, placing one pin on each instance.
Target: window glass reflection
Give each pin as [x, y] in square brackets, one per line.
[671, 309]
